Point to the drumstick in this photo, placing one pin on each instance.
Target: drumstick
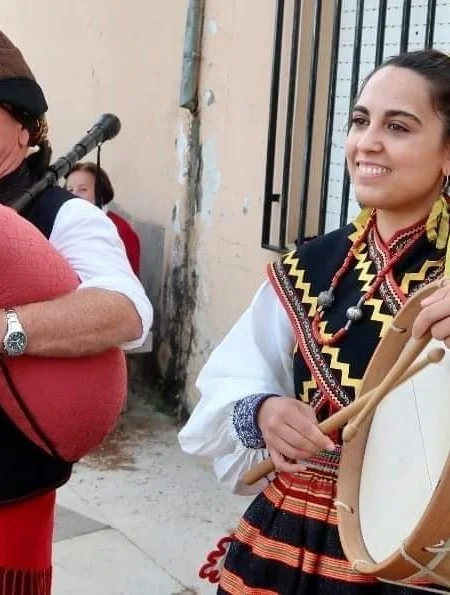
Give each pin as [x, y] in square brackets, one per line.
[433, 356]
[341, 417]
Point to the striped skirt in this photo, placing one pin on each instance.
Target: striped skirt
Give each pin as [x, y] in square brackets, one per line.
[287, 542]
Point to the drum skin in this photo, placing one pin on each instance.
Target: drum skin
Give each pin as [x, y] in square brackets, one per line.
[433, 526]
[65, 405]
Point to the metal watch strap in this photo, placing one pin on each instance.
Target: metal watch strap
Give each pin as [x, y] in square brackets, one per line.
[12, 322]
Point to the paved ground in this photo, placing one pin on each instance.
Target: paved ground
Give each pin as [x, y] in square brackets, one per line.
[138, 516]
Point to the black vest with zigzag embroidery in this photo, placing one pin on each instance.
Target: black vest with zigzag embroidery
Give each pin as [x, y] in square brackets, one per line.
[327, 377]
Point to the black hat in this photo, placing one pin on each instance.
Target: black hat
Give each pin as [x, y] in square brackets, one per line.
[18, 87]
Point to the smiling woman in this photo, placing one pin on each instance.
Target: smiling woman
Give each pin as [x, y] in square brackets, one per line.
[299, 352]
[397, 146]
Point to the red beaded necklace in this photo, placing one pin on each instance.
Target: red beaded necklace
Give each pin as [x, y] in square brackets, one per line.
[354, 313]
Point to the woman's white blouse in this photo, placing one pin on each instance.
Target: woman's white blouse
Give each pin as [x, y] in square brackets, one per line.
[255, 357]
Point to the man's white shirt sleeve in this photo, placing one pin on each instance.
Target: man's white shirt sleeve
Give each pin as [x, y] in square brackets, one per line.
[89, 240]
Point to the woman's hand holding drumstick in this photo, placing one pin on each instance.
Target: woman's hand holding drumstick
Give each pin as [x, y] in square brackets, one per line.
[402, 370]
[291, 432]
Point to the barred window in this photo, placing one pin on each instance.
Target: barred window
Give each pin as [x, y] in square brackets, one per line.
[322, 51]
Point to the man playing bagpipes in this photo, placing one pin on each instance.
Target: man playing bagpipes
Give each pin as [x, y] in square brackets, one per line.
[68, 298]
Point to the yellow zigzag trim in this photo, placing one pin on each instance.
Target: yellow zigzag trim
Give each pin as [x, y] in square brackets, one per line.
[409, 278]
[353, 236]
[363, 266]
[308, 385]
[300, 283]
[333, 352]
[385, 319]
[335, 364]
[362, 219]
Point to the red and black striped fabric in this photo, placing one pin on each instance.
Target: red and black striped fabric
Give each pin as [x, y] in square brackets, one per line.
[26, 532]
[287, 543]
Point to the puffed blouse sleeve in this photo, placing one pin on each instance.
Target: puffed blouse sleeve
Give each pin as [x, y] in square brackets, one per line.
[255, 358]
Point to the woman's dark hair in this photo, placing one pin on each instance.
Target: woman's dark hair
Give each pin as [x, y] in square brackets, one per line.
[434, 66]
[103, 186]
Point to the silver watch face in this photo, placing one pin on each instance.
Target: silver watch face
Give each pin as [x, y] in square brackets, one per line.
[16, 343]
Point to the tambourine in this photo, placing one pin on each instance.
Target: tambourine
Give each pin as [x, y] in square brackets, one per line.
[65, 405]
[394, 477]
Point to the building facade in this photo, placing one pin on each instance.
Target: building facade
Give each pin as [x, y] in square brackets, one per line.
[233, 124]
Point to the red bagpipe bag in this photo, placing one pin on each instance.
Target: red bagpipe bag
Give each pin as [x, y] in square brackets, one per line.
[65, 405]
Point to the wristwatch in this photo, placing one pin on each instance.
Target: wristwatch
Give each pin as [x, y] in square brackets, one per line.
[15, 340]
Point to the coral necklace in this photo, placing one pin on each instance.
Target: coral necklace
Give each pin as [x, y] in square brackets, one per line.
[354, 313]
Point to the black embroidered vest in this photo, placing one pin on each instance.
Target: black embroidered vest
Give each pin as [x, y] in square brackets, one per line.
[327, 377]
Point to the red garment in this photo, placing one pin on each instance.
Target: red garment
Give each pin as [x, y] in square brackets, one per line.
[26, 534]
[130, 239]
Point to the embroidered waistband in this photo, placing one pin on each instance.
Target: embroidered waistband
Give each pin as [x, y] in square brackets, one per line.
[326, 461]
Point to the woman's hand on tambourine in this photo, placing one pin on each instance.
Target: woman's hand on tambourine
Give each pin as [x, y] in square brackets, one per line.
[435, 315]
[291, 432]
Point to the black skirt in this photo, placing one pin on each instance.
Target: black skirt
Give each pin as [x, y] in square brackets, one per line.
[287, 543]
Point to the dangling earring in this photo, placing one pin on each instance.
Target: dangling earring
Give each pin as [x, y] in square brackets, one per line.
[438, 222]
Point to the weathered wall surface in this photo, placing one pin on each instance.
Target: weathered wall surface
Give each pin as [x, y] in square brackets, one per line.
[193, 184]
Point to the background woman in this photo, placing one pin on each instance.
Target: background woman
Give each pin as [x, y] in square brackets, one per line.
[87, 181]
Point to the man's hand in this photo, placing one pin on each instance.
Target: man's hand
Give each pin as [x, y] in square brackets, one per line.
[291, 432]
[435, 316]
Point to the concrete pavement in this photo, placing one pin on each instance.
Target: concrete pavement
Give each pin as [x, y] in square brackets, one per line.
[139, 516]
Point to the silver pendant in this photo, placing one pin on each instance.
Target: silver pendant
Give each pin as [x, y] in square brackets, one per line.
[354, 313]
[325, 298]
